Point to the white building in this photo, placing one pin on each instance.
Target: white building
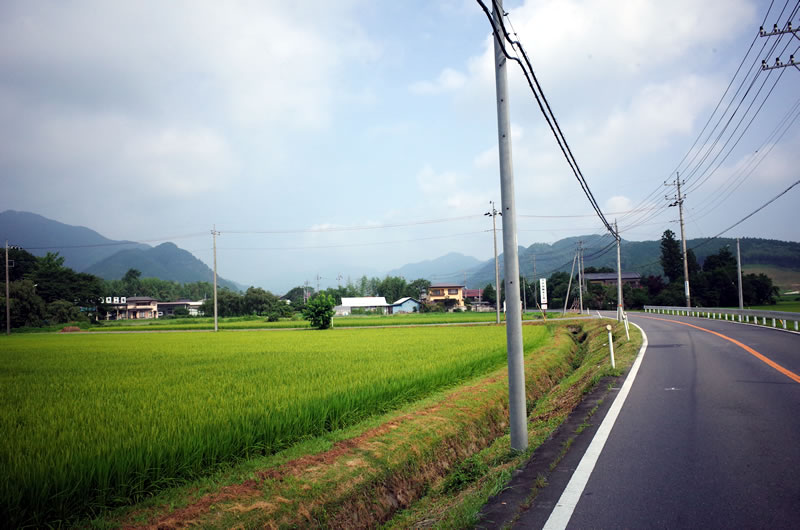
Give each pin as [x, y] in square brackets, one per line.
[367, 303]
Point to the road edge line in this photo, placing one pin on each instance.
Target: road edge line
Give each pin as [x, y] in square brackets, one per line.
[562, 512]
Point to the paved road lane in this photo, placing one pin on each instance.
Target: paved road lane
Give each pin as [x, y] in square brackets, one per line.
[708, 437]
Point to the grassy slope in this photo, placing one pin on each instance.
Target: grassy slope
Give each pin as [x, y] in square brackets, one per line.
[369, 473]
[786, 279]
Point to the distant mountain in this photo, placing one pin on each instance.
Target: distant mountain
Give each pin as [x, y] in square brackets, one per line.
[85, 250]
[450, 267]
[79, 246]
[639, 256]
[166, 261]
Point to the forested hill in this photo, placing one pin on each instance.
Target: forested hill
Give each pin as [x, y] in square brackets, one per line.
[637, 256]
[166, 262]
[79, 246]
[85, 250]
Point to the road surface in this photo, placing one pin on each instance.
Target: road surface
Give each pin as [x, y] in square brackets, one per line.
[709, 435]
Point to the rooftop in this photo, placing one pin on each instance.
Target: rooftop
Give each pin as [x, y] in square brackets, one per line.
[612, 276]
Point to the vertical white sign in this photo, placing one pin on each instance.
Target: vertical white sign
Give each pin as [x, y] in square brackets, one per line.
[543, 291]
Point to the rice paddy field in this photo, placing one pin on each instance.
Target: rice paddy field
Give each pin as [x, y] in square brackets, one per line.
[236, 323]
[93, 421]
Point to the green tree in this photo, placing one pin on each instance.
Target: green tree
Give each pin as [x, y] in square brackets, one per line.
[27, 308]
[671, 258]
[131, 282]
[21, 264]
[257, 301]
[392, 288]
[489, 294]
[416, 288]
[319, 311]
[62, 311]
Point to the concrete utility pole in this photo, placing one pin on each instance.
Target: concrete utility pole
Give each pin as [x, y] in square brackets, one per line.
[739, 273]
[8, 297]
[535, 295]
[494, 213]
[679, 203]
[569, 285]
[580, 272]
[619, 276]
[214, 234]
[516, 372]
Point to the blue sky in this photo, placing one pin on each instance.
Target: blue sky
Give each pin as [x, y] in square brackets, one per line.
[151, 120]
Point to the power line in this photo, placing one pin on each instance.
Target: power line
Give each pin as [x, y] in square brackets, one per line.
[538, 94]
[120, 243]
[354, 228]
[754, 63]
[751, 214]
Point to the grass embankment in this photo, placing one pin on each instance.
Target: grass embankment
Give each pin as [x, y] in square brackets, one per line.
[92, 421]
[433, 463]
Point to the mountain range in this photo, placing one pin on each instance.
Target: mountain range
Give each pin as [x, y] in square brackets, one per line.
[85, 250]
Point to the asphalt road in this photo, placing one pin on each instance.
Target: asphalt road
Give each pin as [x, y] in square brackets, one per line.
[709, 435]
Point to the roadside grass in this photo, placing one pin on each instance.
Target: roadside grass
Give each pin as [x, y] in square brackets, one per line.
[450, 450]
[790, 306]
[440, 509]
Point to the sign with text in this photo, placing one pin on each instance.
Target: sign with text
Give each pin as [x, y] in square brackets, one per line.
[543, 292]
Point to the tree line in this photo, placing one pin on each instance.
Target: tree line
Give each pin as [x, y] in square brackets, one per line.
[714, 284]
[43, 291]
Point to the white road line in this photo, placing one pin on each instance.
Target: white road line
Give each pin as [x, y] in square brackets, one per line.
[561, 514]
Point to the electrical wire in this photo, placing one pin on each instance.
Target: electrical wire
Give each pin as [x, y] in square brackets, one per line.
[540, 97]
[751, 214]
[719, 103]
[120, 243]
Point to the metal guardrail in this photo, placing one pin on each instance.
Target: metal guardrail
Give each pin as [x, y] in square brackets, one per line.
[722, 313]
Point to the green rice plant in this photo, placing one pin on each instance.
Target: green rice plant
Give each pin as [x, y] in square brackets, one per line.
[92, 421]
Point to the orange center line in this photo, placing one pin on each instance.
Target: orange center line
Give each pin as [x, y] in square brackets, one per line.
[745, 347]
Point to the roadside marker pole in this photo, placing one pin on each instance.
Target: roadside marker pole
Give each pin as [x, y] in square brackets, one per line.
[625, 318]
[611, 346]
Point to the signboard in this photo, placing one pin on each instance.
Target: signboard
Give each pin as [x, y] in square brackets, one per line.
[543, 291]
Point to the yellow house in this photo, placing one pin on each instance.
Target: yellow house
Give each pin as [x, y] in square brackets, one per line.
[451, 295]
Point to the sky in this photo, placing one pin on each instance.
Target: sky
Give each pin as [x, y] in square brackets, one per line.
[336, 139]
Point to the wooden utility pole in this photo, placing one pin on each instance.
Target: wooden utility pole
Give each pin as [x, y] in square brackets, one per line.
[214, 234]
[8, 297]
[494, 213]
[619, 275]
[679, 203]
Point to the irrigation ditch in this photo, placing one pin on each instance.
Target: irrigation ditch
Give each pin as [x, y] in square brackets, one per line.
[432, 464]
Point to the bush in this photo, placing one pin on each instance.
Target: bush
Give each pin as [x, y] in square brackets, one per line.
[273, 317]
[319, 311]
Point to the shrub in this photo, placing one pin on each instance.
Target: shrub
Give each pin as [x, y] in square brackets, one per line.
[319, 311]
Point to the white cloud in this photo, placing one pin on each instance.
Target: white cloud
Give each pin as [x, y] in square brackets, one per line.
[449, 80]
[618, 203]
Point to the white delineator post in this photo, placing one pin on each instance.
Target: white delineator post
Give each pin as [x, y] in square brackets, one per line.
[516, 372]
[611, 345]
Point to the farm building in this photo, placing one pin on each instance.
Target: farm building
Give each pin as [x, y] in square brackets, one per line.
[168, 308]
[610, 278]
[405, 305]
[367, 303]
